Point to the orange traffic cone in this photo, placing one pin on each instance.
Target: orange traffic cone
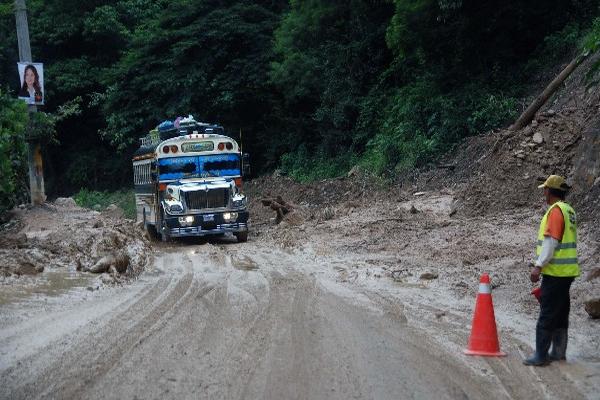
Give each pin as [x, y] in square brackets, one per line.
[484, 336]
[537, 292]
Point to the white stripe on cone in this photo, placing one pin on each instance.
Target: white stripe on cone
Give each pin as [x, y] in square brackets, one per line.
[484, 288]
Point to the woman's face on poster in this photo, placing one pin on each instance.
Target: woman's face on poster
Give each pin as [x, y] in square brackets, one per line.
[29, 77]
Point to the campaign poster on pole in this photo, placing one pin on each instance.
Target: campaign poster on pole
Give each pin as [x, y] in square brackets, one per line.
[32, 82]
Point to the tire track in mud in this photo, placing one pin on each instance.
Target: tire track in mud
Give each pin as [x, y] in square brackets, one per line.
[235, 358]
[164, 305]
[281, 329]
[507, 376]
[243, 350]
[30, 387]
[97, 352]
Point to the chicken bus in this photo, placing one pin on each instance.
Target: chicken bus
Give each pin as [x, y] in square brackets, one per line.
[188, 182]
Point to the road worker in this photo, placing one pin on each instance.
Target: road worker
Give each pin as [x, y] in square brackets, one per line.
[556, 262]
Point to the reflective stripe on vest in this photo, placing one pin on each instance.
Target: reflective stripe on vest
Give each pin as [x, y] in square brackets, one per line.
[564, 260]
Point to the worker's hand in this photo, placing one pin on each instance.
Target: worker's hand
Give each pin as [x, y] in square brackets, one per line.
[535, 274]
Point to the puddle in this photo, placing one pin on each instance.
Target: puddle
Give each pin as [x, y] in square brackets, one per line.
[49, 283]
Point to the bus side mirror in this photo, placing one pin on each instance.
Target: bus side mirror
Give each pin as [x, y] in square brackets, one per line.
[245, 165]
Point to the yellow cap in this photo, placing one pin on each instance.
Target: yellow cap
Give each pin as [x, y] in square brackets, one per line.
[555, 182]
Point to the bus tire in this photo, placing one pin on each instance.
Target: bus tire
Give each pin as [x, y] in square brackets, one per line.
[164, 229]
[241, 236]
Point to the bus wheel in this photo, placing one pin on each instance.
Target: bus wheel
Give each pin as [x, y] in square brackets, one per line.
[241, 236]
[164, 229]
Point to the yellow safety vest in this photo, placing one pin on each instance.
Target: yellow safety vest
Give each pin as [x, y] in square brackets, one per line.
[564, 260]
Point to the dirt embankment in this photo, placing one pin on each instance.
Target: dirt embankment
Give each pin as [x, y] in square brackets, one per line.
[499, 170]
[479, 213]
[63, 235]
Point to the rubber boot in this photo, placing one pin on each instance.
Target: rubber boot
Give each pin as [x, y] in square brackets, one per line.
[543, 339]
[560, 337]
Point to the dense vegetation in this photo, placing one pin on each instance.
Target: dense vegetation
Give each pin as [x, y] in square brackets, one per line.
[316, 86]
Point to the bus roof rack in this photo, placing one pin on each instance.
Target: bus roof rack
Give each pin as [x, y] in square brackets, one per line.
[156, 136]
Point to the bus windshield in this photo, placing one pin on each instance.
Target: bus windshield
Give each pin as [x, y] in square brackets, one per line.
[199, 166]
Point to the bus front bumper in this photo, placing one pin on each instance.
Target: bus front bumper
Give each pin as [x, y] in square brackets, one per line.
[207, 224]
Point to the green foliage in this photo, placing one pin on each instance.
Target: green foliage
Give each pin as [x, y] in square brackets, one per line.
[558, 45]
[96, 200]
[591, 41]
[420, 122]
[591, 44]
[328, 56]
[13, 150]
[305, 166]
[325, 83]
[41, 127]
[209, 59]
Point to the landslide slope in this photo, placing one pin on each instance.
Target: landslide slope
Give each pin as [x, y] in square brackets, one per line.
[499, 170]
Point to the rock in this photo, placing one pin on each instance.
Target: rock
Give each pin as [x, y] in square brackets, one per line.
[440, 314]
[413, 210]
[534, 124]
[597, 181]
[27, 268]
[114, 211]
[592, 307]
[17, 241]
[537, 138]
[419, 193]
[65, 202]
[107, 279]
[428, 276]
[595, 273]
[120, 262]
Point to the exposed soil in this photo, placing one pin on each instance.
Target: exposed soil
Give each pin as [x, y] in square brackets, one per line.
[61, 235]
[364, 289]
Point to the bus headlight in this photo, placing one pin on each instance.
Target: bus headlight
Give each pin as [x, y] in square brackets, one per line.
[230, 216]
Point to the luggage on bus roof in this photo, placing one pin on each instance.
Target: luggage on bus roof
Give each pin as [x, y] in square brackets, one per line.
[189, 129]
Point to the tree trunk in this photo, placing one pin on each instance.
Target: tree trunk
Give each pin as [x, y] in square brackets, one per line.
[529, 113]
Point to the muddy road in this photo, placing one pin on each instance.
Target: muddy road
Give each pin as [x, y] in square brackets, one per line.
[222, 320]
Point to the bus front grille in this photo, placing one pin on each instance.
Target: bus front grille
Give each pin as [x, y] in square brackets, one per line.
[215, 198]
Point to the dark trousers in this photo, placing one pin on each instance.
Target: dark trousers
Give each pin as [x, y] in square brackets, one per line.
[555, 303]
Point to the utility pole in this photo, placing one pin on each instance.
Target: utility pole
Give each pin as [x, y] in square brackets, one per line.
[34, 153]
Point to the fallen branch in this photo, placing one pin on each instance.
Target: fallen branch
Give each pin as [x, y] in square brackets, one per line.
[279, 206]
[529, 113]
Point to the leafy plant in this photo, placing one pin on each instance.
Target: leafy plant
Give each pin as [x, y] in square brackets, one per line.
[305, 166]
[13, 151]
[97, 200]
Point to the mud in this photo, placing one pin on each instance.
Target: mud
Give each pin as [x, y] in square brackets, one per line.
[367, 292]
[61, 235]
[50, 284]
